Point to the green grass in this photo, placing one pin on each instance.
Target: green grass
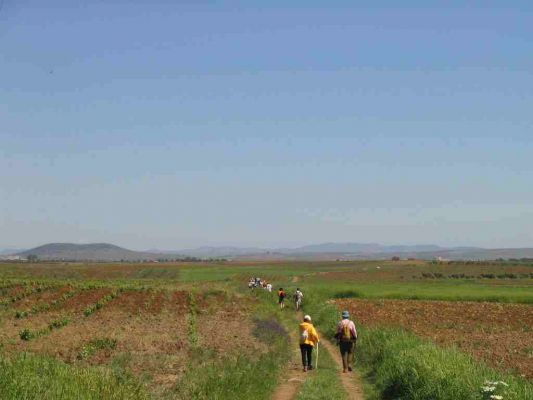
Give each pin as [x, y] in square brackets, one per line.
[423, 290]
[28, 377]
[403, 366]
[230, 378]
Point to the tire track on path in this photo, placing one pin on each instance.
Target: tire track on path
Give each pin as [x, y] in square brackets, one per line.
[350, 381]
[295, 377]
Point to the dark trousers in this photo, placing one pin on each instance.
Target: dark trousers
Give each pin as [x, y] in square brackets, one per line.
[347, 353]
[307, 354]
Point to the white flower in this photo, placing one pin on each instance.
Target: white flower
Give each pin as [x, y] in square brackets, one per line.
[488, 388]
[496, 397]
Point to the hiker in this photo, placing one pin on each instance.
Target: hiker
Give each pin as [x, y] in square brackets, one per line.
[308, 340]
[281, 298]
[346, 339]
[298, 296]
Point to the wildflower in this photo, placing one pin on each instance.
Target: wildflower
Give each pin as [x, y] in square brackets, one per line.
[496, 397]
[488, 388]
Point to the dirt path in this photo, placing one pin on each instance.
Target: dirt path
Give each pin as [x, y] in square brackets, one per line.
[294, 377]
[350, 381]
[292, 380]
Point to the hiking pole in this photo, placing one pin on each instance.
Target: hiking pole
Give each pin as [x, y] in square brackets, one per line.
[316, 362]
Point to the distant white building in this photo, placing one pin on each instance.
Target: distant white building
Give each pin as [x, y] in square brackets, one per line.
[12, 258]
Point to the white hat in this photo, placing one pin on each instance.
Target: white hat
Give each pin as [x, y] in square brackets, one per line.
[307, 318]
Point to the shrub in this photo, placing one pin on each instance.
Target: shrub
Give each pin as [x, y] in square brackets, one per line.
[26, 334]
[94, 345]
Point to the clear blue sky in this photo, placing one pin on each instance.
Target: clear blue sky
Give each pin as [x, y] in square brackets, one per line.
[172, 124]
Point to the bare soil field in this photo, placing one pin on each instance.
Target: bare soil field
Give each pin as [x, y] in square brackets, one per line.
[499, 334]
[148, 331]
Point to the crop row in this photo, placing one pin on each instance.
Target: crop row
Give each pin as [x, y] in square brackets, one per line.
[27, 292]
[5, 286]
[28, 334]
[38, 308]
[101, 303]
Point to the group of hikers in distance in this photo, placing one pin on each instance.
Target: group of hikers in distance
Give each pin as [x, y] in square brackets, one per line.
[346, 333]
[259, 283]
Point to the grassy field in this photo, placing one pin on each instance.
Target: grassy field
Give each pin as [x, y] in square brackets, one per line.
[195, 331]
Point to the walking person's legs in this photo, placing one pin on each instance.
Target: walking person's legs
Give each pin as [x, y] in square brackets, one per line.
[310, 357]
[350, 356]
[344, 355]
[303, 350]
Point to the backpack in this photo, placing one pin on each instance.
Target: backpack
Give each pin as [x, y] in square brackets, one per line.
[346, 334]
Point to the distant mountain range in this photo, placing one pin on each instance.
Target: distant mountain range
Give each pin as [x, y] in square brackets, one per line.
[324, 251]
[360, 251]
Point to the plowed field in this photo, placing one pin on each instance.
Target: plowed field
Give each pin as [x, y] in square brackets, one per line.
[499, 334]
[150, 329]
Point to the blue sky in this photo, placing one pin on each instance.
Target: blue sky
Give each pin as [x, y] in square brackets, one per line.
[173, 124]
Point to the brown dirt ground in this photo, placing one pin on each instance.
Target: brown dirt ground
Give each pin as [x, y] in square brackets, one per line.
[46, 296]
[227, 331]
[150, 328]
[73, 307]
[499, 334]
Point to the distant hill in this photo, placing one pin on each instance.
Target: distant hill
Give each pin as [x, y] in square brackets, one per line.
[88, 252]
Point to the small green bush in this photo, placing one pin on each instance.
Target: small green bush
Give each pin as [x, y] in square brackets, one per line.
[26, 334]
[94, 345]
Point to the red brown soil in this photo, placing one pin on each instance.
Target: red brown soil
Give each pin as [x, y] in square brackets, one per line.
[71, 308]
[150, 328]
[499, 334]
[45, 296]
[225, 327]
[14, 291]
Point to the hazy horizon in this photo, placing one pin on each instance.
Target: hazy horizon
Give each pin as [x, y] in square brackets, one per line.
[172, 126]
